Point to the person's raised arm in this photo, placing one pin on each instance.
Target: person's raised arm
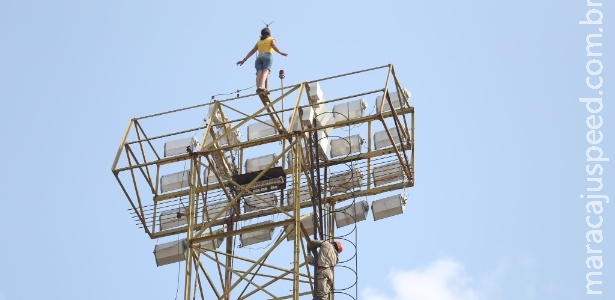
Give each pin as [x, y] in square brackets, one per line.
[275, 47]
[239, 63]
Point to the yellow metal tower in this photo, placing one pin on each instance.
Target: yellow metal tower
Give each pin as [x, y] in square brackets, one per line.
[205, 188]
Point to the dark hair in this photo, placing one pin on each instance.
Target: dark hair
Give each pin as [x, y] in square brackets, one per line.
[265, 33]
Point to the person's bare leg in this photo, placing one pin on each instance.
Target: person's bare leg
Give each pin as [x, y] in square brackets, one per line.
[263, 79]
[259, 75]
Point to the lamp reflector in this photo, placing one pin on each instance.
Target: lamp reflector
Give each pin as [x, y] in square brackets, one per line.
[395, 100]
[170, 252]
[253, 203]
[214, 208]
[304, 194]
[315, 95]
[174, 181]
[209, 176]
[180, 146]
[381, 138]
[297, 125]
[254, 237]
[349, 110]
[259, 163]
[212, 244]
[345, 146]
[347, 181]
[307, 222]
[259, 130]
[322, 114]
[351, 214]
[387, 173]
[389, 206]
[173, 218]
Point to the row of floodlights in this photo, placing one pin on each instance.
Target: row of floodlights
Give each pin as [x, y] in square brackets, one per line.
[174, 251]
[338, 183]
[338, 147]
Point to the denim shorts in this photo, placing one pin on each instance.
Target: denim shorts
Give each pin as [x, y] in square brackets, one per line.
[263, 61]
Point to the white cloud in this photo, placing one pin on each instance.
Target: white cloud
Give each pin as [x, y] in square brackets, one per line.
[444, 279]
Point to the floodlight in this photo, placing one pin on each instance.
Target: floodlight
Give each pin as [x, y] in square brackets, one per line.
[389, 206]
[304, 194]
[322, 114]
[351, 214]
[297, 125]
[324, 148]
[381, 138]
[250, 238]
[346, 181]
[345, 146]
[180, 146]
[259, 130]
[307, 222]
[315, 96]
[170, 252]
[209, 176]
[214, 208]
[174, 181]
[349, 110]
[259, 163]
[395, 100]
[173, 218]
[255, 203]
[388, 173]
[211, 244]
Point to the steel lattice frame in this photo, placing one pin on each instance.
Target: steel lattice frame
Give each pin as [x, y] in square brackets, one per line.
[219, 274]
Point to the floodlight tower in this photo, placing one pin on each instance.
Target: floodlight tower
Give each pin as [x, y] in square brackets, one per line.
[203, 189]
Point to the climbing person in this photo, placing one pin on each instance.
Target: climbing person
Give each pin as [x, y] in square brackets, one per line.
[264, 59]
[327, 258]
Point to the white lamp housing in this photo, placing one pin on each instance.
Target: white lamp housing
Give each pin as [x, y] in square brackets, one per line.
[214, 208]
[307, 222]
[177, 147]
[346, 181]
[345, 146]
[253, 203]
[170, 252]
[323, 117]
[250, 238]
[349, 110]
[174, 181]
[209, 176]
[315, 96]
[304, 194]
[173, 218]
[351, 214]
[259, 130]
[259, 163]
[388, 173]
[381, 139]
[395, 100]
[297, 125]
[389, 206]
[212, 244]
[323, 145]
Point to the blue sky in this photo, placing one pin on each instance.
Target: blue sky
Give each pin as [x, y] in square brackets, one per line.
[500, 134]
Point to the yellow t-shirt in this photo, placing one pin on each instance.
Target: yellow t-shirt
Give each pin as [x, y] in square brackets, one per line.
[265, 45]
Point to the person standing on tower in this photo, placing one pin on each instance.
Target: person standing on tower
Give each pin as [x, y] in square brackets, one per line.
[327, 258]
[265, 46]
